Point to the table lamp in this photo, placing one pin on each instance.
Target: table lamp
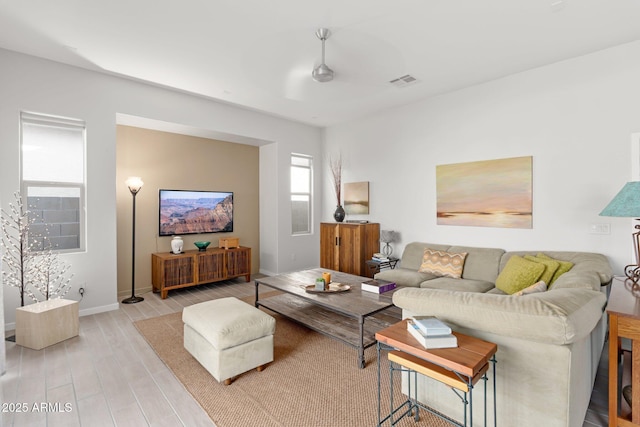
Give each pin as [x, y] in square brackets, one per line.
[386, 237]
[627, 204]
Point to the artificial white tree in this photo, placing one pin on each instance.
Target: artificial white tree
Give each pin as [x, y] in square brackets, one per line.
[26, 266]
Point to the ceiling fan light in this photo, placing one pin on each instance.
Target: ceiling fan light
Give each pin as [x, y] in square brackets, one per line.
[322, 73]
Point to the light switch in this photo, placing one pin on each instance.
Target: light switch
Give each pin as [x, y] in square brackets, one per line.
[599, 228]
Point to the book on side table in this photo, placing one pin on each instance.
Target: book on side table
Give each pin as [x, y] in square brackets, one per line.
[377, 286]
[431, 325]
[431, 341]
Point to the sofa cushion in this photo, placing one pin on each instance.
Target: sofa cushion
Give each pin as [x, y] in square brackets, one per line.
[464, 285]
[443, 263]
[518, 274]
[550, 264]
[404, 276]
[413, 253]
[481, 263]
[533, 289]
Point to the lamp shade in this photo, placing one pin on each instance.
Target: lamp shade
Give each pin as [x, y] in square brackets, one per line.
[387, 236]
[626, 203]
[134, 183]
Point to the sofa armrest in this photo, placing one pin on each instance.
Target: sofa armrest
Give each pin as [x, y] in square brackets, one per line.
[559, 316]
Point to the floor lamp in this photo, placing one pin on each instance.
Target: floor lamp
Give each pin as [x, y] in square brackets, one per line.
[627, 204]
[135, 184]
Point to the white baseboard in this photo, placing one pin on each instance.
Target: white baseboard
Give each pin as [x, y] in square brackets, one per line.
[85, 312]
[267, 273]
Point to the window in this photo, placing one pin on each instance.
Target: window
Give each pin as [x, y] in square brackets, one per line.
[301, 173]
[53, 170]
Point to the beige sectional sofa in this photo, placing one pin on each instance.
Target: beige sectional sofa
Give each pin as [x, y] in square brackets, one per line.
[549, 343]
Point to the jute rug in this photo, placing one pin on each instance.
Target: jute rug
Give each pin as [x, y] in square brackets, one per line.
[313, 381]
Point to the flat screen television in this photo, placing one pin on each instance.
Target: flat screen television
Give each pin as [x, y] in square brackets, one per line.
[192, 212]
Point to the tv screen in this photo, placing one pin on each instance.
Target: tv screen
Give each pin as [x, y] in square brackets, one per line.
[191, 212]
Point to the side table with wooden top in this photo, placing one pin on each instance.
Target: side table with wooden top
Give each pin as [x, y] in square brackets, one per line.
[460, 368]
[623, 309]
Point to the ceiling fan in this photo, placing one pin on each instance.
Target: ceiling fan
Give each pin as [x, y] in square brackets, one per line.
[322, 73]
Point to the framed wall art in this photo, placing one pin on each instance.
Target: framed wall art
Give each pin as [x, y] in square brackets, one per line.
[489, 193]
[356, 198]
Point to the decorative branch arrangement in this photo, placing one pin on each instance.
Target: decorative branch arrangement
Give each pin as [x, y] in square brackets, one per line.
[25, 267]
[336, 170]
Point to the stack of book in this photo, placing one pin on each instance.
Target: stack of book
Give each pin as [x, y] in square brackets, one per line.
[431, 332]
[379, 257]
[377, 286]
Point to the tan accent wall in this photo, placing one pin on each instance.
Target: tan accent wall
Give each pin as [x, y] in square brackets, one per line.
[179, 162]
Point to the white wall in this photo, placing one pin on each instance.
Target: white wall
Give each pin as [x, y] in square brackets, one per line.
[574, 117]
[37, 85]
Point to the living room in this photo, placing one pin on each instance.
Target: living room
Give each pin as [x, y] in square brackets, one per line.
[575, 117]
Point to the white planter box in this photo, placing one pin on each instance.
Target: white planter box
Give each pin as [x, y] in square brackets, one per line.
[46, 323]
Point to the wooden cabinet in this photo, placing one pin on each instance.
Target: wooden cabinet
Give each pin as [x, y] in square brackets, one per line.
[173, 271]
[347, 247]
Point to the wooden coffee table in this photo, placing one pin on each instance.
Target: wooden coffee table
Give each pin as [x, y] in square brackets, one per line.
[353, 316]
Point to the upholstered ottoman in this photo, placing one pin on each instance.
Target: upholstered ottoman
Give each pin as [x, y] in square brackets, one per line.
[228, 337]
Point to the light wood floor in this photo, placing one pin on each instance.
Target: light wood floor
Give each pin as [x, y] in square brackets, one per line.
[109, 376]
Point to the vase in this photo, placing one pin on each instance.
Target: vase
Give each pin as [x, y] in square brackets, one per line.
[176, 244]
[339, 214]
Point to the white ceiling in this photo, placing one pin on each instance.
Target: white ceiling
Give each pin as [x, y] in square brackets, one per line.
[259, 54]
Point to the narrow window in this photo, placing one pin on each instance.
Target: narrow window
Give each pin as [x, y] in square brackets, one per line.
[53, 180]
[301, 197]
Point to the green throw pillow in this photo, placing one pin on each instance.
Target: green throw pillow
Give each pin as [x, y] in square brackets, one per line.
[564, 267]
[551, 264]
[518, 274]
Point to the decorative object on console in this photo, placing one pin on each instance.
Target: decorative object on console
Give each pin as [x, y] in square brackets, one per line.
[177, 244]
[386, 237]
[202, 246]
[322, 73]
[135, 185]
[489, 193]
[356, 198]
[229, 242]
[336, 172]
[627, 204]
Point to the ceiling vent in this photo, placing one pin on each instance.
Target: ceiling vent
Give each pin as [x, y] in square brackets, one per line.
[404, 81]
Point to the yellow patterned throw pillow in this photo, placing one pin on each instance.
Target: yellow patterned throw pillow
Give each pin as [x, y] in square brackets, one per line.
[518, 274]
[441, 263]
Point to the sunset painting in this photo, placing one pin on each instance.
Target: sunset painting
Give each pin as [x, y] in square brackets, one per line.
[490, 193]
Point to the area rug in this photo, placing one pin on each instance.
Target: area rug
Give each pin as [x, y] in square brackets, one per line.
[313, 381]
